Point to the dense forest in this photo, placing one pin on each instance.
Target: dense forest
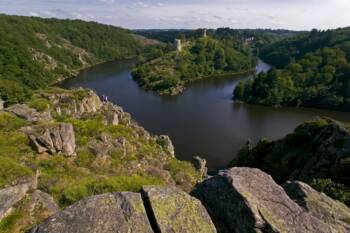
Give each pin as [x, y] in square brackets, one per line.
[312, 70]
[202, 57]
[35, 52]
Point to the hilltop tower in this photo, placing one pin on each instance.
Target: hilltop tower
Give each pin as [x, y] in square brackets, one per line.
[205, 33]
[178, 45]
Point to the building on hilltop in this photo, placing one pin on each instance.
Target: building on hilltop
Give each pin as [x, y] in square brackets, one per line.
[205, 33]
[178, 45]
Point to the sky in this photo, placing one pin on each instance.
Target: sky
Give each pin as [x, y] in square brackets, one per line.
[150, 14]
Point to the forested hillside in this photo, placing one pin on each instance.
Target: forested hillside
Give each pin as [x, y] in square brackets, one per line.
[313, 71]
[35, 52]
[199, 58]
[317, 152]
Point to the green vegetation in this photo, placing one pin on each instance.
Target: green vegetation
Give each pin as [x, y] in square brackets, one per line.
[35, 52]
[314, 71]
[93, 186]
[70, 180]
[316, 152]
[199, 58]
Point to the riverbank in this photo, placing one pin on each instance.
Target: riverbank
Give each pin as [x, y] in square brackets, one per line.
[203, 120]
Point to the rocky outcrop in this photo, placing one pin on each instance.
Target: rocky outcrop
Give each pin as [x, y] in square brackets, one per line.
[319, 205]
[10, 197]
[172, 210]
[200, 164]
[107, 213]
[160, 210]
[53, 138]
[248, 200]
[167, 144]
[29, 114]
[76, 104]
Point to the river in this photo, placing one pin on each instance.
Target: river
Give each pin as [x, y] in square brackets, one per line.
[204, 120]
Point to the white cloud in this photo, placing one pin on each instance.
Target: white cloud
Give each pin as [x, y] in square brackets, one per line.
[291, 14]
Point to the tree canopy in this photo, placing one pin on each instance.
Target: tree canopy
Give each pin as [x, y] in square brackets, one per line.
[312, 70]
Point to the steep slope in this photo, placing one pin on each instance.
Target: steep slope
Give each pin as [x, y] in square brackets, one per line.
[71, 145]
[36, 52]
[198, 58]
[314, 71]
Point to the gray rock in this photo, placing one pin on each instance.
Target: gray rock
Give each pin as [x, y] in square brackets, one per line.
[332, 212]
[44, 201]
[107, 213]
[248, 200]
[68, 104]
[53, 139]
[29, 114]
[90, 103]
[200, 164]
[166, 143]
[115, 115]
[174, 211]
[10, 197]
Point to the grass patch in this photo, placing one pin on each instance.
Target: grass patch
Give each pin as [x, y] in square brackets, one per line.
[94, 186]
[12, 172]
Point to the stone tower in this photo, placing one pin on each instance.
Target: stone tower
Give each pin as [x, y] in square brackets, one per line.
[205, 33]
[178, 45]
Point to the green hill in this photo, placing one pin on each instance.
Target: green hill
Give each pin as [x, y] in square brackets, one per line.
[317, 152]
[199, 58]
[35, 52]
[313, 71]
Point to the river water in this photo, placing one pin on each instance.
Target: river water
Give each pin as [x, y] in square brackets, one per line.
[204, 120]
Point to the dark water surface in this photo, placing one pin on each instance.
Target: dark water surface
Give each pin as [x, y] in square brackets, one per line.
[202, 121]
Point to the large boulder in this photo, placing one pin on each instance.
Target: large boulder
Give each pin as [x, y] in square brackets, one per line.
[319, 205]
[107, 213]
[53, 138]
[201, 165]
[174, 211]
[248, 200]
[9, 197]
[29, 114]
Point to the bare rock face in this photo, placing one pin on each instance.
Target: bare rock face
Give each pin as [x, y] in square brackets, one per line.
[115, 115]
[200, 164]
[107, 213]
[174, 211]
[90, 103]
[53, 139]
[248, 200]
[332, 212]
[10, 197]
[29, 114]
[167, 144]
[68, 104]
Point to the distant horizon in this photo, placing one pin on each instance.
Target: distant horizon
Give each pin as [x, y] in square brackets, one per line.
[294, 15]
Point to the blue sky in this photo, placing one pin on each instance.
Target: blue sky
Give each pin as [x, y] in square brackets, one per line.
[289, 14]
